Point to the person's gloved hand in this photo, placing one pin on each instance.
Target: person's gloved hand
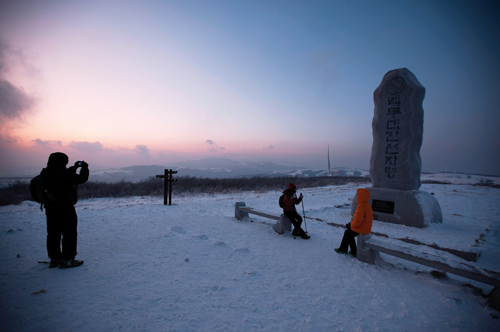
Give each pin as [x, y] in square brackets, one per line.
[301, 196]
[294, 196]
[84, 164]
[78, 164]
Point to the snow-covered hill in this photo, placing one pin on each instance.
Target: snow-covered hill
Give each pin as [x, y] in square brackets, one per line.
[220, 168]
[226, 168]
[460, 178]
[208, 168]
[193, 267]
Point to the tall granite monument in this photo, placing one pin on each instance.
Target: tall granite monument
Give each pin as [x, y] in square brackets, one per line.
[395, 162]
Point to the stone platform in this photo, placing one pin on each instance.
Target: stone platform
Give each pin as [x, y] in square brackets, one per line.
[415, 208]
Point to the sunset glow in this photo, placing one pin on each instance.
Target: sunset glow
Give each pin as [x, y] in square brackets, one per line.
[121, 83]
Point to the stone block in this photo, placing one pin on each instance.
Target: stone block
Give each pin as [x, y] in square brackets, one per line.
[364, 254]
[415, 208]
[397, 127]
[282, 225]
[238, 214]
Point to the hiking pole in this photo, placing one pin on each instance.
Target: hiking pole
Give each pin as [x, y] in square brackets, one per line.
[304, 214]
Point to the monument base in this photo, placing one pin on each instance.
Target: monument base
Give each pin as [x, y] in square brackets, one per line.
[415, 208]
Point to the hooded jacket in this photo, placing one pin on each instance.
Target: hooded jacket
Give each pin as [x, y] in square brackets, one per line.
[289, 201]
[363, 216]
[62, 182]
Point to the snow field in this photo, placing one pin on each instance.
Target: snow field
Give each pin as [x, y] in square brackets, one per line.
[193, 267]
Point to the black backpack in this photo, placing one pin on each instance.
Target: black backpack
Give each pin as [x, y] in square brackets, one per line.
[282, 201]
[38, 189]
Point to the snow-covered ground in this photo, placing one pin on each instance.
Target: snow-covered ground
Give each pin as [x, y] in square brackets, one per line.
[193, 267]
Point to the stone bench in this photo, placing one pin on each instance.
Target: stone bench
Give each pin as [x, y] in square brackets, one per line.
[369, 249]
[282, 222]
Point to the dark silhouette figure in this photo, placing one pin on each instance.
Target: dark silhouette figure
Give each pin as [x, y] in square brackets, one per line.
[61, 185]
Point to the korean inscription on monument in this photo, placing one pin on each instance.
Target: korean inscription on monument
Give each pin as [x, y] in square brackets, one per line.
[394, 87]
[397, 131]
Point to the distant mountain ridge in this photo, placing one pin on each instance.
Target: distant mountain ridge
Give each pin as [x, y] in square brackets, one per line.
[218, 168]
[226, 168]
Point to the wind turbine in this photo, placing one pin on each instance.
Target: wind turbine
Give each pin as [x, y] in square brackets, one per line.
[329, 173]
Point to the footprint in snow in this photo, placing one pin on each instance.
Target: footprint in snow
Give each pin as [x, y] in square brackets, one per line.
[176, 230]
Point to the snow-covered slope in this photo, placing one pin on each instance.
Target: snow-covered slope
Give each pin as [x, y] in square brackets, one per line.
[240, 169]
[193, 267]
[220, 168]
[460, 178]
[226, 168]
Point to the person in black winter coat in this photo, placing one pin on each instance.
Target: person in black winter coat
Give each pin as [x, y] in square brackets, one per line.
[62, 194]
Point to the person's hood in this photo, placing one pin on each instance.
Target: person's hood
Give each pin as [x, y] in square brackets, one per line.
[57, 160]
[363, 195]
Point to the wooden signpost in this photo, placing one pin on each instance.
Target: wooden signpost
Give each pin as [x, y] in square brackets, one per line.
[167, 189]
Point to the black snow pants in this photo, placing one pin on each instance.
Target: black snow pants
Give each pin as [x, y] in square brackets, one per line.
[61, 221]
[349, 241]
[296, 220]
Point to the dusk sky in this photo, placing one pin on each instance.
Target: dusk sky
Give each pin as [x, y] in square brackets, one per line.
[122, 83]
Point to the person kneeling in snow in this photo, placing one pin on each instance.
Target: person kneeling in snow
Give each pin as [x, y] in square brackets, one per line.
[361, 223]
[289, 201]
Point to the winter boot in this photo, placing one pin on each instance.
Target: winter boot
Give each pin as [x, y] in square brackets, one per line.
[54, 263]
[340, 251]
[303, 234]
[70, 263]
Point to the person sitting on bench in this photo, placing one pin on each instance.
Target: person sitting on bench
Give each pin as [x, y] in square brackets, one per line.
[361, 223]
[290, 200]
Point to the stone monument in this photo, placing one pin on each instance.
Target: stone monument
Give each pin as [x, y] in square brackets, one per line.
[395, 162]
